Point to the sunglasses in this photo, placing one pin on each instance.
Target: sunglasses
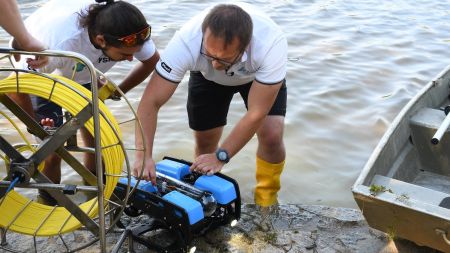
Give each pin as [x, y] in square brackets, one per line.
[225, 63]
[132, 39]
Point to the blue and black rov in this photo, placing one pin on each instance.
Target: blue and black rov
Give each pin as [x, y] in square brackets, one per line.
[181, 206]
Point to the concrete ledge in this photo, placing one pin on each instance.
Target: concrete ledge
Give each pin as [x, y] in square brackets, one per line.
[291, 228]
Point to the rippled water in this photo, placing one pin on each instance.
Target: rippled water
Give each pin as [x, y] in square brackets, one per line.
[352, 66]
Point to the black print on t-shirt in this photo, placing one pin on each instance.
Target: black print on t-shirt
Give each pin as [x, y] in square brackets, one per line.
[165, 67]
[104, 59]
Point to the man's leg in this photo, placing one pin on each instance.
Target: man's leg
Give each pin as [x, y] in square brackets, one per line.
[50, 115]
[270, 139]
[207, 108]
[52, 168]
[24, 101]
[88, 140]
[88, 158]
[271, 153]
[206, 141]
[270, 157]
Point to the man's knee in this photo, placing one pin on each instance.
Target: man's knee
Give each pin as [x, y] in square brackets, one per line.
[271, 139]
[270, 134]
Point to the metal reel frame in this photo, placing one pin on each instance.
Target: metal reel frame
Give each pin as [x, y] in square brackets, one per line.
[54, 143]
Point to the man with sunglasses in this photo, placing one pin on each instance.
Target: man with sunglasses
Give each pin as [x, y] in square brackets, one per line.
[227, 49]
[105, 33]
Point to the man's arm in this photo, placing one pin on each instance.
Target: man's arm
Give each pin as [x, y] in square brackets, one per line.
[138, 74]
[156, 94]
[260, 99]
[11, 21]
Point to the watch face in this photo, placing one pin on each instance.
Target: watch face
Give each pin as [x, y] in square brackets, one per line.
[222, 156]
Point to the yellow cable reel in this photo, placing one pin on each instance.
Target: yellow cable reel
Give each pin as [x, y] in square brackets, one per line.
[22, 215]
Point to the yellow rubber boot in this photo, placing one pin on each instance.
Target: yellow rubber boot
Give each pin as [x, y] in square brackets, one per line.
[267, 182]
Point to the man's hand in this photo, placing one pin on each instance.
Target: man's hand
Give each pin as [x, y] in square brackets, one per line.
[107, 90]
[32, 45]
[207, 164]
[149, 173]
[47, 123]
[101, 81]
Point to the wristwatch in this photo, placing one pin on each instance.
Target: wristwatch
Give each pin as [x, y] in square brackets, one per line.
[222, 155]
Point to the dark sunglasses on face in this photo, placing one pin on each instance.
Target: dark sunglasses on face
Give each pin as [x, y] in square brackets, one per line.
[225, 63]
[132, 39]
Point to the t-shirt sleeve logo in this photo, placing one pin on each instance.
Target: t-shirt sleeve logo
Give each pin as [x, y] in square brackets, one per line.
[166, 67]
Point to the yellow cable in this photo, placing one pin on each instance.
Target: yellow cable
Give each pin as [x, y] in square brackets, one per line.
[31, 148]
[27, 147]
[113, 158]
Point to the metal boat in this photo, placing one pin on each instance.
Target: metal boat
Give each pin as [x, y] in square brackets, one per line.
[404, 188]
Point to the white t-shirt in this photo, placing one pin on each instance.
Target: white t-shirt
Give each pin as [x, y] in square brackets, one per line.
[56, 25]
[264, 59]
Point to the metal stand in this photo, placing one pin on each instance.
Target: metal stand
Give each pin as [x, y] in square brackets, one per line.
[22, 169]
[135, 234]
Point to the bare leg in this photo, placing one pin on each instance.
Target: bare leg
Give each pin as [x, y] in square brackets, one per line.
[207, 141]
[24, 101]
[270, 158]
[52, 168]
[89, 159]
[270, 140]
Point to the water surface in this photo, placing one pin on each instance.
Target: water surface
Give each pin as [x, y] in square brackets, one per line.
[352, 66]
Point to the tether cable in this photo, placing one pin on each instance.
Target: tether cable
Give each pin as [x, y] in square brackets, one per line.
[72, 97]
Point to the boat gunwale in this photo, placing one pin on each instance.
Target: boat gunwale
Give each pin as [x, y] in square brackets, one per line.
[393, 127]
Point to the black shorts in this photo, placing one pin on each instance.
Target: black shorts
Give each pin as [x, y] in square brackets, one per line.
[208, 102]
[46, 109]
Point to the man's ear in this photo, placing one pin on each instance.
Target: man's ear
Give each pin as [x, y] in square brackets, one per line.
[100, 40]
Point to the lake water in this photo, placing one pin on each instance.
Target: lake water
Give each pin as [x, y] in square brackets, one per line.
[352, 66]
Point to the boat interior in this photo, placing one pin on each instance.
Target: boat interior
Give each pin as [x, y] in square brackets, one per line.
[404, 188]
[411, 166]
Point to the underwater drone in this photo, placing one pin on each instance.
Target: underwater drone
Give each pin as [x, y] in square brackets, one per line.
[182, 203]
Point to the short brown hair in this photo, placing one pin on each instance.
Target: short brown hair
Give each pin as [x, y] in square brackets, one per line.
[228, 21]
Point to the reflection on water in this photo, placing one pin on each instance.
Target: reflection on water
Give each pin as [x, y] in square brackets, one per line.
[352, 66]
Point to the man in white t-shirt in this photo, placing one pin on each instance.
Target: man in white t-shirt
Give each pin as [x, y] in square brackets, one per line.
[105, 33]
[227, 49]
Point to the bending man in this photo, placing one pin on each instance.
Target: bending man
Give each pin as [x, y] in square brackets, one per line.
[227, 49]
